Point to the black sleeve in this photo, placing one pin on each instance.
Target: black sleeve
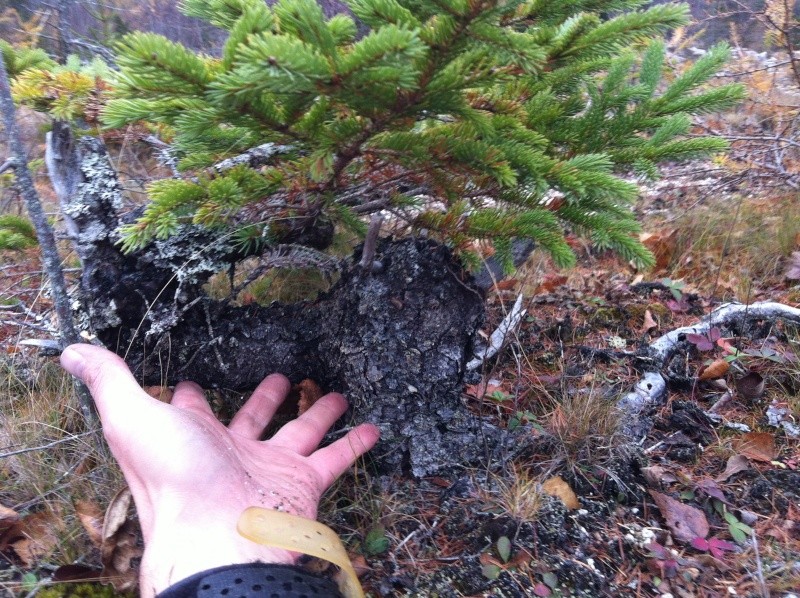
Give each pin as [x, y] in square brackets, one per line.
[253, 580]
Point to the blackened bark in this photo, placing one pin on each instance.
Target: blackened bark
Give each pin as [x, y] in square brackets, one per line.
[395, 340]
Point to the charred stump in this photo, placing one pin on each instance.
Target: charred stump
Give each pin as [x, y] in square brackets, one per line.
[395, 339]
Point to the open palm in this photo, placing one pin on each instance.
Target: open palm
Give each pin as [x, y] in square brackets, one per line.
[191, 477]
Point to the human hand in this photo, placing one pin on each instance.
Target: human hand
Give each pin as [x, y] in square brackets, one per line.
[191, 477]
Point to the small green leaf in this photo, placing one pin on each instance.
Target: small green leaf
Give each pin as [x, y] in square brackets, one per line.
[738, 534]
[504, 548]
[551, 579]
[490, 571]
[376, 541]
[29, 581]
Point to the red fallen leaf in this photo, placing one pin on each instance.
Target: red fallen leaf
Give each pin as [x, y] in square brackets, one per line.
[483, 388]
[487, 559]
[684, 521]
[542, 590]
[715, 546]
[678, 307]
[704, 342]
[665, 568]
[718, 547]
[725, 345]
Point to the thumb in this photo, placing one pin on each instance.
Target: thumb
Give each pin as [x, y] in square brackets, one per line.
[114, 389]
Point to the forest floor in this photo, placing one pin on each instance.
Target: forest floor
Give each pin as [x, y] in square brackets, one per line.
[708, 504]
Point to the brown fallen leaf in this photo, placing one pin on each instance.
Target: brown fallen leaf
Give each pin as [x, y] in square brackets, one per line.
[710, 488]
[716, 369]
[550, 283]
[116, 513]
[750, 386]
[162, 393]
[483, 388]
[684, 521]
[91, 517]
[735, 464]
[757, 446]
[649, 322]
[121, 548]
[309, 392]
[35, 536]
[656, 475]
[8, 517]
[507, 284]
[662, 244]
[67, 573]
[123, 552]
[556, 486]
[360, 565]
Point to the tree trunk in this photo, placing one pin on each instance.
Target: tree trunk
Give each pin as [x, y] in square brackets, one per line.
[395, 340]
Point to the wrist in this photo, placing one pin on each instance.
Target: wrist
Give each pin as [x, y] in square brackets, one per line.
[180, 549]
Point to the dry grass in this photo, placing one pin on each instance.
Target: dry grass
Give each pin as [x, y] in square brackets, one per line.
[734, 247]
[48, 461]
[517, 493]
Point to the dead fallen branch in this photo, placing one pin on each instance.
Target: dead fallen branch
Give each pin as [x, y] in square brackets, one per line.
[650, 391]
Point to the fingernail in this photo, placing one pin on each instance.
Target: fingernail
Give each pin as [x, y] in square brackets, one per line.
[72, 361]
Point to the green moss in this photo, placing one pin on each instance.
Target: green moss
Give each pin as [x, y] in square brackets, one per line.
[607, 317]
[82, 590]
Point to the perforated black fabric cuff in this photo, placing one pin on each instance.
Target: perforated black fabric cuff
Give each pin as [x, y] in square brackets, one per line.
[253, 580]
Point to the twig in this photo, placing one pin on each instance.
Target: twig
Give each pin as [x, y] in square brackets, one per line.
[759, 567]
[106, 54]
[496, 341]
[10, 163]
[661, 349]
[370, 242]
[758, 70]
[46, 446]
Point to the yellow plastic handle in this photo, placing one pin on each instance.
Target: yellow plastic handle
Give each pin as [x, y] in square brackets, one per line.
[298, 534]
